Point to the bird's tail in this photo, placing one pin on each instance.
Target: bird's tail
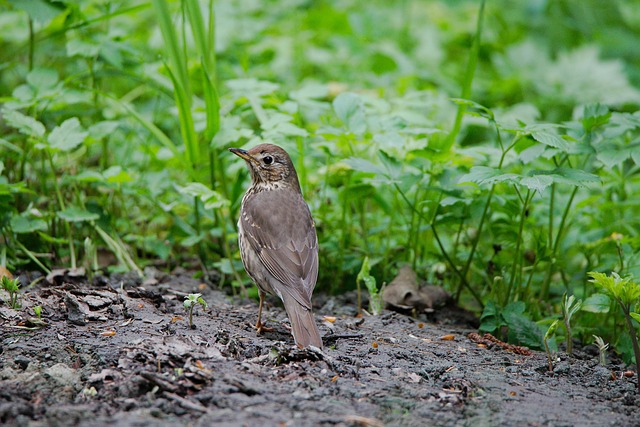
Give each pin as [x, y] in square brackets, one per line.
[303, 325]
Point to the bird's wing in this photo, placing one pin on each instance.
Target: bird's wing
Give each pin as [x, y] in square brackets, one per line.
[280, 230]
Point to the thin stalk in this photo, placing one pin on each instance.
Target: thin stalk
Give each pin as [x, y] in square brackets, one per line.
[32, 256]
[544, 290]
[468, 79]
[634, 338]
[32, 44]
[517, 257]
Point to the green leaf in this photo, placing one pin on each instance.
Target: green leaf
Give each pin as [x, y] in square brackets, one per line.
[537, 182]
[76, 214]
[68, 136]
[636, 316]
[595, 115]
[597, 303]
[490, 320]
[363, 165]
[522, 330]
[551, 140]
[41, 11]
[42, 78]
[350, 110]
[116, 175]
[22, 225]
[375, 300]
[211, 199]
[82, 48]
[569, 176]
[487, 175]
[25, 124]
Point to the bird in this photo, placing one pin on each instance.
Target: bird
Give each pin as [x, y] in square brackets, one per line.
[277, 239]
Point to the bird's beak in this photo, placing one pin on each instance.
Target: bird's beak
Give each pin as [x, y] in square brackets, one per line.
[243, 154]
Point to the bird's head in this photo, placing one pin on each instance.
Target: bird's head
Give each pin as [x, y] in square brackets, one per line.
[270, 167]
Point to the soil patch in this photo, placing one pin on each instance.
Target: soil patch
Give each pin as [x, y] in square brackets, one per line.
[119, 351]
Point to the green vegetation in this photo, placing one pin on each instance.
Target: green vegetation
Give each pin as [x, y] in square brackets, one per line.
[493, 146]
[190, 302]
[12, 288]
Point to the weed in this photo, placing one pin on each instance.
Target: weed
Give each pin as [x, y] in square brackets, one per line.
[626, 293]
[12, 287]
[602, 349]
[190, 302]
[570, 306]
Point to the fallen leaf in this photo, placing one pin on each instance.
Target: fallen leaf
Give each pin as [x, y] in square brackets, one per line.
[420, 325]
[448, 337]
[202, 286]
[374, 344]
[140, 305]
[199, 364]
[334, 379]
[330, 319]
[628, 374]
[108, 333]
[175, 319]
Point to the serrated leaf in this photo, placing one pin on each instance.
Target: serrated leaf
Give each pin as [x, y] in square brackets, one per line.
[537, 182]
[24, 124]
[350, 110]
[76, 214]
[570, 176]
[551, 140]
[68, 136]
[487, 175]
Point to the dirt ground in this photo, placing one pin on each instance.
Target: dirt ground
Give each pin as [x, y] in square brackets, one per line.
[119, 351]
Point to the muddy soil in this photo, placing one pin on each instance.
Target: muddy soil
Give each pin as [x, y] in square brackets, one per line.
[119, 351]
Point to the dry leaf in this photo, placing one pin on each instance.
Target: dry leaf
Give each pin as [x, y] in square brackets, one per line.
[374, 344]
[108, 333]
[334, 379]
[330, 319]
[448, 337]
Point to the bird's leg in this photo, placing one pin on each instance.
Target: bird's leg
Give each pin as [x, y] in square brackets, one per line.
[259, 325]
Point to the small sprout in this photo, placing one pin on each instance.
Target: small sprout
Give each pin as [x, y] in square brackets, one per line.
[375, 297]
[550, 333]
[602, 349]
[190, 301]
[626, 292]
[38, 311]
[12, 287]
[570, 306]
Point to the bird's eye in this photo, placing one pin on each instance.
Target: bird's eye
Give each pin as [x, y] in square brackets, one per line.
[268, 160]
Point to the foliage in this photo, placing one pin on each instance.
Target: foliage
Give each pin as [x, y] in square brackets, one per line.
[495, 139]
[375, 297]
[12, 288]
[190, 302]
[626, 292]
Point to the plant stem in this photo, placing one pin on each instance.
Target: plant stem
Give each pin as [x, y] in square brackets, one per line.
[634, 339]
[516, 256]
[544, 290]
[468, 79]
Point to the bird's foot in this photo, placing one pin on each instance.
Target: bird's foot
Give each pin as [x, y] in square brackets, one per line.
[260, 328]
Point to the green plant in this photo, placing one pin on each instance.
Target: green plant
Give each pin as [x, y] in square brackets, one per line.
[602, 350]
[626, 293]
[12, 287]
[190, 302]
[551, 331]
[375, 298]
[38, 311]
[570, 306]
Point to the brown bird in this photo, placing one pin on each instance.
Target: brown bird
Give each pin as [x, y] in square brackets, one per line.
[277, 236]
